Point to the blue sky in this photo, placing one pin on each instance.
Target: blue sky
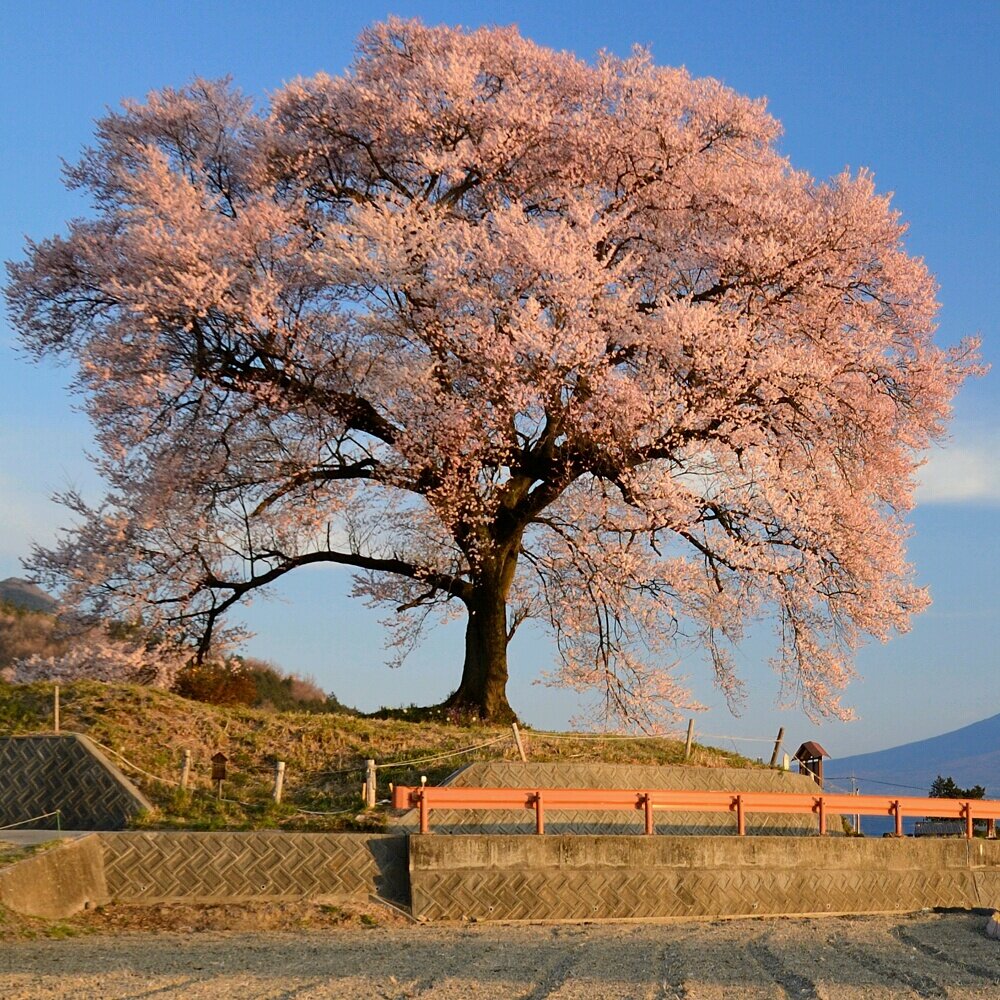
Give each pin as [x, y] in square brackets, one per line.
[906, 89]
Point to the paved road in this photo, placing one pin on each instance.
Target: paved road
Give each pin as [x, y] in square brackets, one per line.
[929, 955]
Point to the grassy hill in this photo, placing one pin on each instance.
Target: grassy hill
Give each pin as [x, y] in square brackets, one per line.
[324, 753]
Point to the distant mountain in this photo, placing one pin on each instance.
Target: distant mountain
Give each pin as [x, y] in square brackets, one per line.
[22, 594]
[970, 755]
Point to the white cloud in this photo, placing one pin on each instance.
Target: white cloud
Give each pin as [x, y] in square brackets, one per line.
[966, 470]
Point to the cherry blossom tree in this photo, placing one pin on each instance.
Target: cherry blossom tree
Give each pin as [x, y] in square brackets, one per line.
[95, 655]
[512, 335]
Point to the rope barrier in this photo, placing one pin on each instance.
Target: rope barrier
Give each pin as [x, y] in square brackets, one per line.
[23, 822]
[740, 739]
[443, 756]
[313, 812]
[602, 736]
[128, 763]
[343, 770]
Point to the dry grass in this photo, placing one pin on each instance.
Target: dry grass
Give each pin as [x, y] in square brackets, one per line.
[324, 753]
[24, 633]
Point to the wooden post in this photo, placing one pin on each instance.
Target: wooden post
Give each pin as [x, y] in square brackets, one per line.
[690, 737]
[741, 817]
[777, 746]
[55, 708]
[279, 780]
[370, 787]
[539, 814]
[185, 769]
[647, 806]
[517, 740]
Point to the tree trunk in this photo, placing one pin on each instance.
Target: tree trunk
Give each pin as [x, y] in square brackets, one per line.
[483, 690]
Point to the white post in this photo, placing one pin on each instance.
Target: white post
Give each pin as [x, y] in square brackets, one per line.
[55, 708]
[370, 788]
[279, 779]
[185, 769]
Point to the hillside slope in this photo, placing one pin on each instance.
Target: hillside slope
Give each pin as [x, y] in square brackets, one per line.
[324, 753]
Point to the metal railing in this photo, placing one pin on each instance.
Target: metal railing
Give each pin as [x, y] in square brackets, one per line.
[741, 804]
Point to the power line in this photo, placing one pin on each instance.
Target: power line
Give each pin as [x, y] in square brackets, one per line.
[888, 784]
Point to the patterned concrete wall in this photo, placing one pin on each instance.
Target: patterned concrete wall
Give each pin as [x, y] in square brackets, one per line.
[514, 774]
[66, 772]
[266, 865]
[588, 878]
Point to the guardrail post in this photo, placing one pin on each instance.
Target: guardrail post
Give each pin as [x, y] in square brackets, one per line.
[898, 813]
[425, 825]
[967, 809]
[647, 806]
[539, 814]
[821, 809]
[741, 817]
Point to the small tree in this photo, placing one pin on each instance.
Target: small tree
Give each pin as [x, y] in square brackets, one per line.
[511, 335]
[945, 788]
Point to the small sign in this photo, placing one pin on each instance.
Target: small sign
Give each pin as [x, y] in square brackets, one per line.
[219, 766]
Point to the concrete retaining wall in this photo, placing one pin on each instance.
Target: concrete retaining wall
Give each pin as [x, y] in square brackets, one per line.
[512, 878]
[206, 868]
[514, 774]
[587, 878]
[65, 772]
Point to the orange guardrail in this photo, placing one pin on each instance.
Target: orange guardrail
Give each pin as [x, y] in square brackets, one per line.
[426, 799]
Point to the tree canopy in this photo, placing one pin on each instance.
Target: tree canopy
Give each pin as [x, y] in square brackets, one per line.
[513, 336]
[945, 788]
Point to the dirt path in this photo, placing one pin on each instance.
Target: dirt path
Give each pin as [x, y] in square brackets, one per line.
[929, 955]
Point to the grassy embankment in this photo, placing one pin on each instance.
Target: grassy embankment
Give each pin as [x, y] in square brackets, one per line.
[324, 753]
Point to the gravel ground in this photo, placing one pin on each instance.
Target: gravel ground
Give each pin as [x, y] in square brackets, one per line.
[927, 955]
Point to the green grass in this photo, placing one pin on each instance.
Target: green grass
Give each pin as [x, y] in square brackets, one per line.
[324, 753]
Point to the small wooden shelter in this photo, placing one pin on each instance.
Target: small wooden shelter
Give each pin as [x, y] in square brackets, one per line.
[810, 757]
